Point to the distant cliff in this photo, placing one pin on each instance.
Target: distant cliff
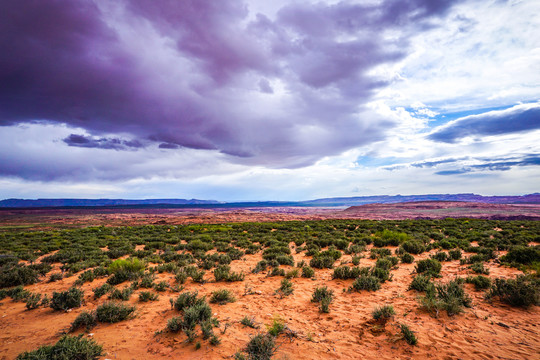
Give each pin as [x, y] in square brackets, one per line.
[337, 201]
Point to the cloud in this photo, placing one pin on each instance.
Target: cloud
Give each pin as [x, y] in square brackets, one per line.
[102, 143]
[187, 74]
[495, 165]
[515, 119]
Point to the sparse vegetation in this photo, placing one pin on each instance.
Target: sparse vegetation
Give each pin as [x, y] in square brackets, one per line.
[111, 312]
[222, 297]
[408, 335]
[383, 313]
[68, 347]
[522, 291]
[67, 299]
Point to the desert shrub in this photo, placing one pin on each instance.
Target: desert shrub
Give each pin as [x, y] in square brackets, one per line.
[15, 274]
[249, 322]
[222, 297]
[198, 276]
[66, 300]
[55, 277]
[17, 293]
[32, 301]
[196, 314]
[277, 326]
[381, 274]
[261, 347]
[261, 266]
[408, 335]
[147, 281]
[346, 272]
[413, 247]
[440, 256]
[522, 291]
[524, 255]
[145, 296]
[450, 297]
[68, 347]
[133, 265]
[111, 312]
[122, 276]
[291, 274]
[174, 324]
[286, 288]
[480, 282]
[102, 290]
[285, 260]
[185, 300]
[123, 294]
[308, 272]
[378, 253]
[479, 268]
[324, 297]
[383, 313]
[455, 254]
[85, 319]
[322, 262]
[276, 272]
[420, 283]
[429, 266]
[161, 286]
[366, 282]
[181, 276]
[356, 260]
[407, 258]
[388, 237]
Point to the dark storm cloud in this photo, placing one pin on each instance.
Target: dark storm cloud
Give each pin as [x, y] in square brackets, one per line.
[516, 119]
[102, 143]
[188, 73]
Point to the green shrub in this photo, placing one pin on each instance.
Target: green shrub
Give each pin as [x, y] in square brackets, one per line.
[407, 258]
[102, 290]
[147, 281]
[346, 272]
[145, 296]
[277, 327]
[123, 294]
[413, 247]
[55, 277]
[286, 288]
[249, 322]
[356, 260]
[276, 272]
[381, 274]
[185, 300]
[222, 297]
[68, 347]
[261, 347]
[522, 291]
[383, 313]
[420, 283]
[291, 274]
[308, 272]
[429, 266]
[324, 297]
[66, 300]
[85, 319]
[133, 265]
[408, 335]
[123, 275]
[322, 262]
[378, 253]
[16, 274]
[111, 312]
[366, 282]
[450, 297]
[479, 268]
[32, 301]
[480, 282]
[161, 286]
[175, 324]
[522, 255]
[455, 254]
[440, 256]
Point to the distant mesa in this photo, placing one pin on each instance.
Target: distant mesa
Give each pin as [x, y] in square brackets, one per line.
[325, 202]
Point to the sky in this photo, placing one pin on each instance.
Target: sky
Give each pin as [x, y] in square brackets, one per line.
[268, 100]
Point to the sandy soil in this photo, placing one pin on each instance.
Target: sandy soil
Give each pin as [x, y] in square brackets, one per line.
[485, 331]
